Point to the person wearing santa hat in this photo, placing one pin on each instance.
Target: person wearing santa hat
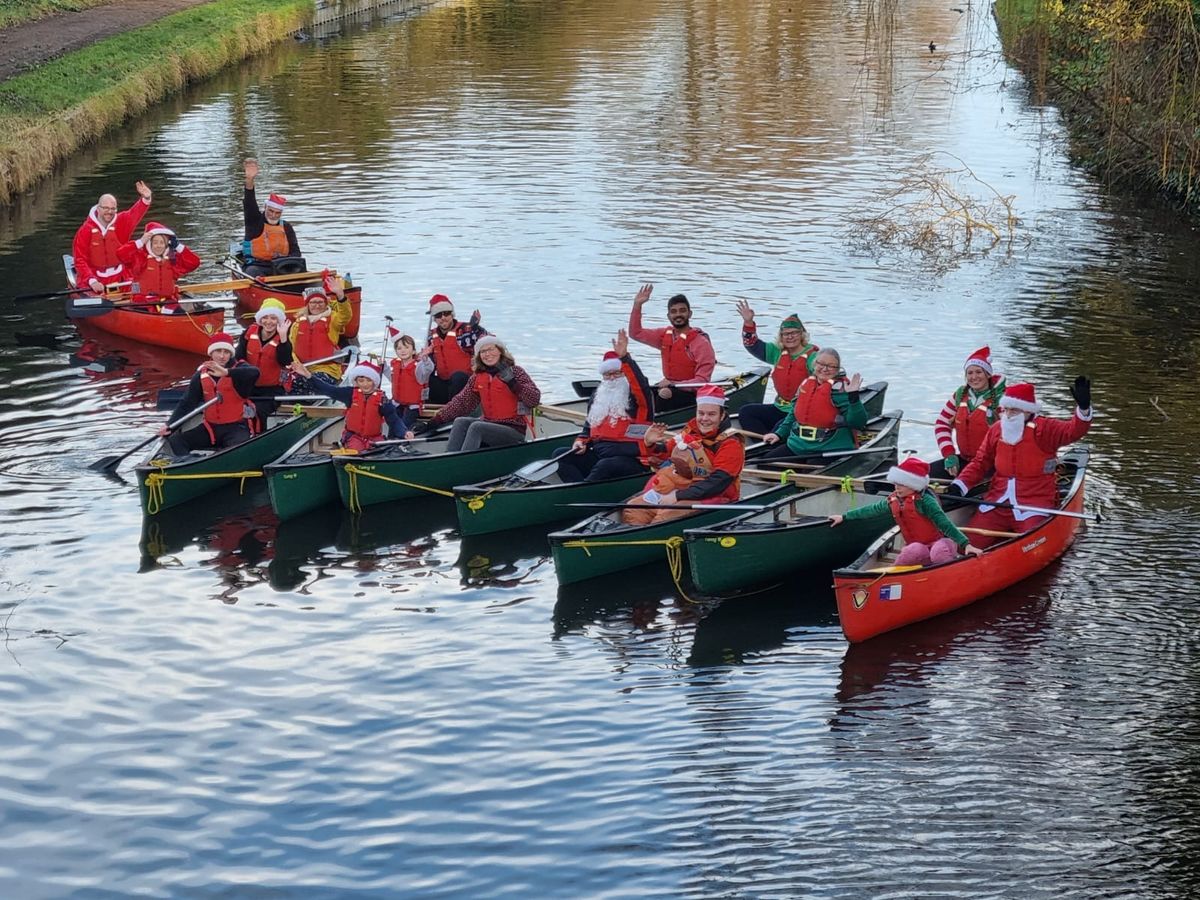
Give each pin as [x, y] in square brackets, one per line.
[100, 237]
[230, 420]
[367, 407]
[791, 360]
[265, 346]
[687, 353]
[929, 536]
[971, 410]
[154, 262]
[717, 457]
[410, 377]
[269, 244]
[1020, 452]
[452, 345]
[316, 333]
[608, 447]
[504, 391]
[825, 412]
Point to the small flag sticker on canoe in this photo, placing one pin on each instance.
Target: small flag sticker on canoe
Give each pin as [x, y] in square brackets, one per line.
[890, 592]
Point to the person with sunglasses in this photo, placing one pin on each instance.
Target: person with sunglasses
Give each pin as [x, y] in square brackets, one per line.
[452, 345]
[825, 411]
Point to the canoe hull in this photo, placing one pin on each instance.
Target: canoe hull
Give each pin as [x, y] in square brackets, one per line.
[873, 603]
[251, 298]
[484, 511]
[191, 333]
[302, 479]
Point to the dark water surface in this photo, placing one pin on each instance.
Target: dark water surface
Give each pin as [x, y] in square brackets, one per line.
[212, 704]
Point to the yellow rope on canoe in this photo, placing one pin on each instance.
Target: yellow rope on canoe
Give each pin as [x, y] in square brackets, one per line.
[673, 546]
[474, 504]
[156, 480]
[354, 471]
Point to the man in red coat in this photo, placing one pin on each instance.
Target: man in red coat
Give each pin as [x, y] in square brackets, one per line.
[101, 235]
[1022, 449]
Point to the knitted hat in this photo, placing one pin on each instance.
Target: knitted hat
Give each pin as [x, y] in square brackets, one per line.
[271, 308]
[610, 363]
[276, 201]
[912, 472]
[489, 341]
[220, 341]
[793, 322]
[367, 369]
[1020, 396]
[153, 228]
[440, 303]
[711, 394]
[982, 358]
[314, 291]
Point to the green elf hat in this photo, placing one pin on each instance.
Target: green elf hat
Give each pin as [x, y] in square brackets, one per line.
[793, 322]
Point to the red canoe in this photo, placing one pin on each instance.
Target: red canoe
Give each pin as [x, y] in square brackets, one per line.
[251, 298]
[190, 333]
[874, 596]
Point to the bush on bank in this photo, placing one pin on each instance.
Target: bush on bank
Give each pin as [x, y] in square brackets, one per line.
[1126, 74]
[49, 112]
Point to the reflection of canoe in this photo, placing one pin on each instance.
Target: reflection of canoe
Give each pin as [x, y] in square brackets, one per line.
[164, 483]
[251, 298]
[874, 596]
[792, 534]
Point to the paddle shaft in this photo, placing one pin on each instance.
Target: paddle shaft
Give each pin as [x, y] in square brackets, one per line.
[1018, 507]
[699, 506]
[111, 462]
[48, 295]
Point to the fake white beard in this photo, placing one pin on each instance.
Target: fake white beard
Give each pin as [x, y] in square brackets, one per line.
[611, 401]
[1012, 429]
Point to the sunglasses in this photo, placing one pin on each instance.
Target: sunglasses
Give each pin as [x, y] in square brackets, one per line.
[443, 315]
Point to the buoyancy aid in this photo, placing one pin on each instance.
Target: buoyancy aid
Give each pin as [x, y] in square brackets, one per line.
[406, 390]
[497, 398]
[611, 429]
[788, 373]
[312, 340]
[971, 425]
[448, 356]
[102, 252]
[677, 365]
[264, 355]
[364, 417]
[271, 243]
[813, 405]
[231, 407]
[914, 526]
[157, 279]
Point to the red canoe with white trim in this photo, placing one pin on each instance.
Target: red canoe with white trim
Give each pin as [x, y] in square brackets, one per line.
[251, 298]
[191, 332]
[874, 597]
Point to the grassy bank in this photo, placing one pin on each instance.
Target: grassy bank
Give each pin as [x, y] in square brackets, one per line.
[1126, 74]
[49, 112]
[15, 12]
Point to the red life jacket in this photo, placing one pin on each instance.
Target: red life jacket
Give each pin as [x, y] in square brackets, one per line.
[499, 402]
[230, 406]
[264, 357]
[448, 356]
[157, 279]
[271, 243]
[406, 390]
[813, 405]
[364, 417]
[971, 425]
[789, 371]
[1030, 464]
[312, 341]
[612, 430]
[676, 364]
[915, 527]
[102, 252]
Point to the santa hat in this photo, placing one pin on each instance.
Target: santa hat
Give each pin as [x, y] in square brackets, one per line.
[440, 303]
[1020, 396]
[912, 472]
[153, 228]
[711, 394]
[366, 369]
[982, 358]
[610, 363]
[276, 201]
[271, 309]
[394, 334]
[220, 341]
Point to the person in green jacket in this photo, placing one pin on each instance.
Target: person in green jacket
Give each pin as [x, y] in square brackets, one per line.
[791, 359]
[929, 536]
[825, 412]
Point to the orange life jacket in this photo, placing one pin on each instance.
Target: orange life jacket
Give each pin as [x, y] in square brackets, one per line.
[264, 357]
[499, 402]
[676, 364]
[916, 527]
[272, 242]
[230, 406]
[448, 356]
[312, 341]
[364, 417]
[157, 278]
[789, 371]
[813, 405]
[406, 390]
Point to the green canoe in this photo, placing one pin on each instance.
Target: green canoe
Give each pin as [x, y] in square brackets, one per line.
[302, 479]
[602, 544]
[164, 482]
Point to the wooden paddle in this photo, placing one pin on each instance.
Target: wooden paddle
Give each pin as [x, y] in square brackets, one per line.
[109, 463]
[561, 414]
[1021, 507]
[696, 506]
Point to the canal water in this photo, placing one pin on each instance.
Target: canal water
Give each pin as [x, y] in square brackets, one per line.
[210, 703]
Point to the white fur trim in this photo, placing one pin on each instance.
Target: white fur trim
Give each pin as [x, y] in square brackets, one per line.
[1007, 402]
[364, 371]
[610, 365]
[897, 475]
[271, 312]
[441, 306]
[221, 346]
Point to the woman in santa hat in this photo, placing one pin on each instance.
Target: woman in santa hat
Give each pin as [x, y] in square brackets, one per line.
[230, 383]
[154, 262]
[367, 407]
[929, 536]
[265, 346]
[971, 410]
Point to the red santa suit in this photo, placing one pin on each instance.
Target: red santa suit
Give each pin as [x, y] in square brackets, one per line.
[96, 244]
[154, 276]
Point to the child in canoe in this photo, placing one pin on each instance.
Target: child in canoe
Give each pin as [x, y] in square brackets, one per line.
[929, 536]
[410, 378]
[367, 407]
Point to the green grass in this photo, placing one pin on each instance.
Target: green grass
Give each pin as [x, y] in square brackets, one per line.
[17, 12]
